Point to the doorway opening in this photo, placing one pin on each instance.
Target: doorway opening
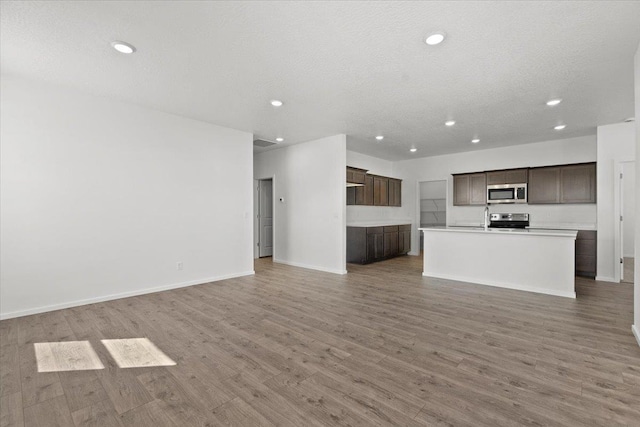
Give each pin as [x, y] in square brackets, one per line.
[264, 218]
[627, 220]
[433, 204]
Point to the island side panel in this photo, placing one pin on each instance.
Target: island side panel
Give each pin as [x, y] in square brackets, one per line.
[535, 263]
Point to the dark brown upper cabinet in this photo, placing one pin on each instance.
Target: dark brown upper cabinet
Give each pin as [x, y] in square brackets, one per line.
[395, 192]
[510, 176]
[364, 194]
[470, 189]
[380, 191]
[544, 185]
[355, 175]
[562, 184]
[578, 183]
[372, 190]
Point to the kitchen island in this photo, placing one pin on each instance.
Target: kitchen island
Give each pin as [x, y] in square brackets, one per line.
[538, 260]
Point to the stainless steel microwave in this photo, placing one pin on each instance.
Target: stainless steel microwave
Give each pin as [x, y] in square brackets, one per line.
[507, 193]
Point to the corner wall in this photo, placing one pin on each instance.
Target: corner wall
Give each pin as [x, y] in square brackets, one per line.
[636, 290]
[310, 221]
[616, 143]
[101, 199]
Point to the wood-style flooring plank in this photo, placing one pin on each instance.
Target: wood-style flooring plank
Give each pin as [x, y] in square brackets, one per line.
[52, 412]
[11, 412]
[147, 415]
[99, 414]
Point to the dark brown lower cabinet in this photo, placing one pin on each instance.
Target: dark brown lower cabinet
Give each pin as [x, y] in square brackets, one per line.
[371, 244]
[404, 239]
[375, 244]
[586, 252]
[390, 241]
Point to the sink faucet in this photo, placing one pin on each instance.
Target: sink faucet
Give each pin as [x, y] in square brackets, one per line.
[486, 217]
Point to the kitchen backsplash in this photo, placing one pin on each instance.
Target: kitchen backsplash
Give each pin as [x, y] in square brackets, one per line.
[579, 216]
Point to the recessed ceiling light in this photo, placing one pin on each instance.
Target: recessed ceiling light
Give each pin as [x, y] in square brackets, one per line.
[560, 127]
[450, 122]
[554, 102]
[434, 39]
[379, 137]
[475, 140]
[123, 47]
[279, 139]
[413, 150]
[276, 103]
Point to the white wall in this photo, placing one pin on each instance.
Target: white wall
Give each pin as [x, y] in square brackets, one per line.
[636, 296]
[101, 199]
[615, 145]
[561, 151]
[365, 214]
[310, 223]
[629, 212]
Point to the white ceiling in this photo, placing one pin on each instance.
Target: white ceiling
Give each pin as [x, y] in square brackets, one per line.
[359, 68]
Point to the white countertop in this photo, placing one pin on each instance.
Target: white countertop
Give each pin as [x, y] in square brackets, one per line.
[379, 223]
[519, 232]
[542, 226]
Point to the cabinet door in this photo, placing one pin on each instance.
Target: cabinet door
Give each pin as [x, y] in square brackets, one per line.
[496, 177]
[390, 244]
[395, 190]
[380, 191]
[544, 185]
[404, 242]
[478, 189]
[351, 196]
[357, 245]
[516, 176]
[355, 175]
[375, 246]
[460, 190]
[366, 191]
[511, 176]
[586, 253]
[578, 183]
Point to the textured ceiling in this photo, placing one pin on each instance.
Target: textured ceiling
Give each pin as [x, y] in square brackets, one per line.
[359, 68]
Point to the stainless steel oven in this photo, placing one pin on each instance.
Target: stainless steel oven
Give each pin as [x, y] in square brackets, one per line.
[507, 193]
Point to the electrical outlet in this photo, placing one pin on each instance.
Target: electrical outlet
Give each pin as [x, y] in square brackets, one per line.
[179, 265]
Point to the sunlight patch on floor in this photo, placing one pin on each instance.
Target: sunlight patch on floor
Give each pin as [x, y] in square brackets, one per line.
[66, 356]
[136, 353]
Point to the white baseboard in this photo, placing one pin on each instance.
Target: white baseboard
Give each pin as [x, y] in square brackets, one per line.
[414, 253]
[504, 285]
[46, 308]
[636, 333]
[310, 267]
[607, 279]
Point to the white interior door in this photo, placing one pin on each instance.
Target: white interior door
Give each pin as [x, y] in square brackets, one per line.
[265, 217]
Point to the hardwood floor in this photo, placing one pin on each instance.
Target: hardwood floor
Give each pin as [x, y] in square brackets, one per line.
[379, 346]
[628, 270]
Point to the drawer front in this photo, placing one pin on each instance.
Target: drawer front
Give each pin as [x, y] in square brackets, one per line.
[404, 227]
[391, 229]
[375, 230]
